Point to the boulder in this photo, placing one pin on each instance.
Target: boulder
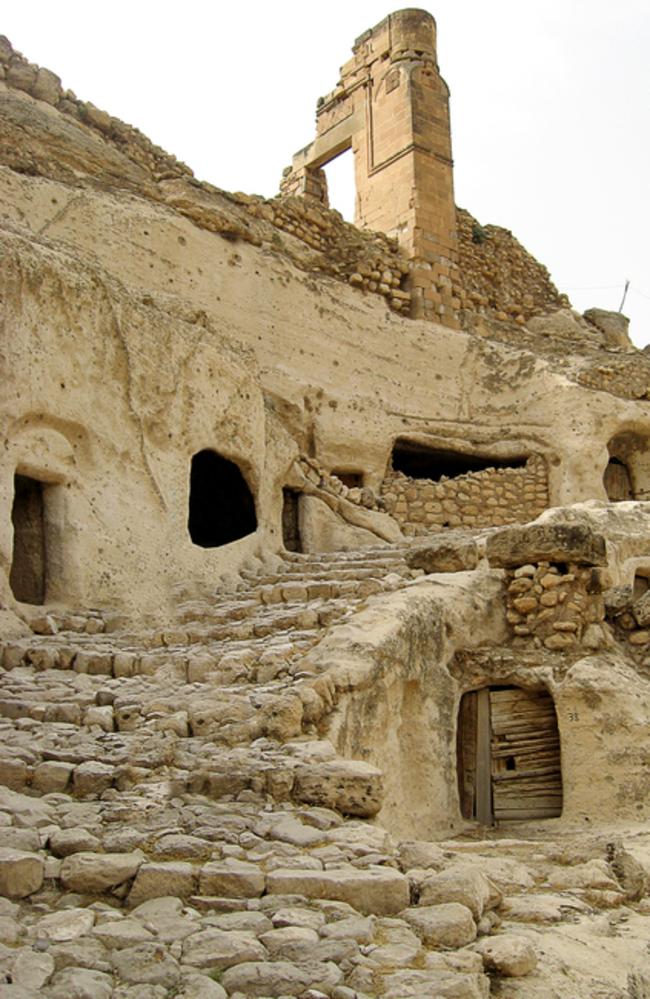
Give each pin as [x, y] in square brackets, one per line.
[32, 970]
[64, 842]
[200, 987]
[290, 943]
[450, 553]
[146, 964]
[614, 326]
[213, 948]
[415, 984]
[551, 542]
[68, 924]
[280, 978]
[508, 955]
[80, 983]
[447, 925]
[462, 884]
[420, 854]
[89, 873]
[118, 933]
[21, 873]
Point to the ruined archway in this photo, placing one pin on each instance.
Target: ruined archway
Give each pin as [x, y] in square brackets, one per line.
[221, 505]
[508, 752]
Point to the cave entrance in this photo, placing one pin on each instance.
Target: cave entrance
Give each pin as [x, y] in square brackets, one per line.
[419, 461]
[221, 506]
[618, 481]
[28, 573]
[353, 480]
[509, 766]
[291, 520]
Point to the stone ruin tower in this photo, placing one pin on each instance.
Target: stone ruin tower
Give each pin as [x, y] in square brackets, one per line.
[391, 107]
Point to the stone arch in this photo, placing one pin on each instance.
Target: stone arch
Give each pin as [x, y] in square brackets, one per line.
[508, 755]
[221, 504]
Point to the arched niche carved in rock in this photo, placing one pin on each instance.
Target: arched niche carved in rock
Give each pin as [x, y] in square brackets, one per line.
[221, 505]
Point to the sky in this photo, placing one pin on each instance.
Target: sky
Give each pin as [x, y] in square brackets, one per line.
[549, 108]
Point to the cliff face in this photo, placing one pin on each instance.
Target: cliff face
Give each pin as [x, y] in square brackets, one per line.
[147, 317]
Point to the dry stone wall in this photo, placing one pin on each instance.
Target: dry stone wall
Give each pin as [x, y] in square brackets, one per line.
[491, 497]
[498, 277]
[555, 609]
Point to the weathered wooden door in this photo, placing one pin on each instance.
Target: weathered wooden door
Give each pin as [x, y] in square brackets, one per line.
[508, 756]
[617, 481]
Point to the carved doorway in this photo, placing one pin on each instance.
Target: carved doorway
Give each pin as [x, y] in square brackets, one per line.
[509, 766]
[28, 573]
[617, 481]
[291, 520]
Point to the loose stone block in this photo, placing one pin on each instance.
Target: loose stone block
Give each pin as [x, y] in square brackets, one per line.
[448, 925]
[381, 893]
[517, 546]
[508, 955]
[21, 873]
[350, 786]
[95, 872]
[237, 879]
[163, 879]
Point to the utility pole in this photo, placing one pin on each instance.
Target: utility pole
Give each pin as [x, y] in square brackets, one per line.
[627, 285]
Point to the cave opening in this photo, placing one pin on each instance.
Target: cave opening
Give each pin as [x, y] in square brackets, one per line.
[221, 505]
[419, 461]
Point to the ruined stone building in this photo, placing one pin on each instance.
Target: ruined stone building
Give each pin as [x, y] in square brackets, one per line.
[325, 569]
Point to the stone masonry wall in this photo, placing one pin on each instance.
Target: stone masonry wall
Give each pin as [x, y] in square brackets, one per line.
[555, 610]
[497, 275]
[491, 497]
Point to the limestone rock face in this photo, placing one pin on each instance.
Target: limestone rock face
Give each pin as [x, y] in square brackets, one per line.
[613, 325]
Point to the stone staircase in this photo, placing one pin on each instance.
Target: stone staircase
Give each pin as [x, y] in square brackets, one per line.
[170, 829]
[83, 702]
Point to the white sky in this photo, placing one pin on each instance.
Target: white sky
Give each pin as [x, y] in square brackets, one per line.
[549, 105]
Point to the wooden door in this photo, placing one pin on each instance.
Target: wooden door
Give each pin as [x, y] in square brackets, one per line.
[508, 756]
[617, 481]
